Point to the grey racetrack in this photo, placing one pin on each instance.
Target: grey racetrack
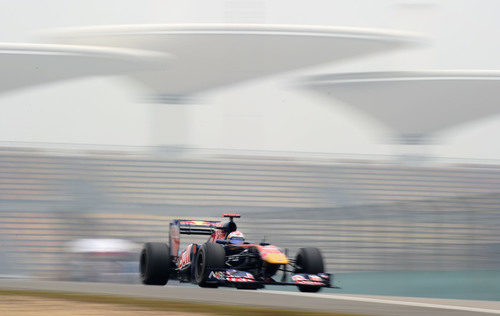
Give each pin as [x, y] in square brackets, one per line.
[356, 304]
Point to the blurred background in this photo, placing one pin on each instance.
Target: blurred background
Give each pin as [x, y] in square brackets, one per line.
[365, 128]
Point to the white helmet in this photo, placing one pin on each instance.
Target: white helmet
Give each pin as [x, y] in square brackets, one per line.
[236, 238]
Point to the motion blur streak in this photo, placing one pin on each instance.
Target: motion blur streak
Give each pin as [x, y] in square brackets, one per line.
[366, 216]
[367, 129]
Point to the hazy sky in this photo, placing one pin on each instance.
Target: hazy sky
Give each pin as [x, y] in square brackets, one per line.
[268, 114]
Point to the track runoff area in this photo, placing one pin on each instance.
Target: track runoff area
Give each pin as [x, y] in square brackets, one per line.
[321, 302]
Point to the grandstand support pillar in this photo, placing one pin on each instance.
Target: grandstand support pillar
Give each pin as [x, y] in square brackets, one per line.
[170, 124]
[413, 149]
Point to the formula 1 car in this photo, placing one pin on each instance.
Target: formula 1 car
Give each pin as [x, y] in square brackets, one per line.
[223, 261]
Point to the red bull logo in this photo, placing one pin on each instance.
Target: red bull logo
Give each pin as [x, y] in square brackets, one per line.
[196, 223]
[185, 258]
[309, 280]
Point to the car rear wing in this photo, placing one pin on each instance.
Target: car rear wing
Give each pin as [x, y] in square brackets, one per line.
[189, 227]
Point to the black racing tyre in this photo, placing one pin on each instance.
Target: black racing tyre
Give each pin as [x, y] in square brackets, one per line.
[309, 261]
[210, 256]
[155, 263]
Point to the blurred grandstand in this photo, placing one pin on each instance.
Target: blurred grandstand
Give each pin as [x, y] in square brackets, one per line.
[366, 214]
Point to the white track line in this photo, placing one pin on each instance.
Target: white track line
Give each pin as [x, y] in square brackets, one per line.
[385, 301]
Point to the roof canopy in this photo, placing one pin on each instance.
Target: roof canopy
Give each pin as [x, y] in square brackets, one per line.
[416, 102]
[25, 65]
[214, 55]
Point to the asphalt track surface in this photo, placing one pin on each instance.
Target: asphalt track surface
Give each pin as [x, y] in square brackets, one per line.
[356, 304]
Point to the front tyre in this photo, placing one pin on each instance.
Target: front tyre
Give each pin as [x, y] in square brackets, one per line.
[155, 263]
[210, 256]
[309, 261]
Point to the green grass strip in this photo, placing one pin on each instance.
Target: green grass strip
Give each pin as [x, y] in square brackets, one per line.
[166, 305]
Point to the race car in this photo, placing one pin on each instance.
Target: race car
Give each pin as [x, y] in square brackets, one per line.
[226, 259]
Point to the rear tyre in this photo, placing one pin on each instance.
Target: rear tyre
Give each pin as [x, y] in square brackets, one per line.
[155, 263]
[210, 256]
[309, 261]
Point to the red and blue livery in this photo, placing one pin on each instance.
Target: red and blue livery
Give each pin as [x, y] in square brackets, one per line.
[227, 260]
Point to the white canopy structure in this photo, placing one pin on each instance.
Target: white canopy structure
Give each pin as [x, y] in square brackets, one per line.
[23, 65]
[415, 104]
[209, 56]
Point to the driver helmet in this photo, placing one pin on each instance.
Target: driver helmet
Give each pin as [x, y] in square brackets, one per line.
[236, 238]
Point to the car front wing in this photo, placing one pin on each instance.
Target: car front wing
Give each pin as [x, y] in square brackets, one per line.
[243, 279]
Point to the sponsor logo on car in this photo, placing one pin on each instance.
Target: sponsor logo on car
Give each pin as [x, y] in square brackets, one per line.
[197, 223]
[315, 278]
[219, 275]
[239, 276]
[307, 279]
[185, 258]
[239, 279]
[324, 276]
